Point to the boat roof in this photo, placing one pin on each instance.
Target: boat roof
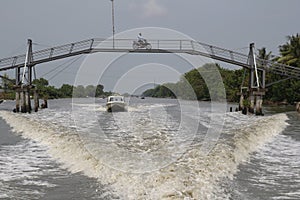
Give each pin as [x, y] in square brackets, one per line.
[116, 96]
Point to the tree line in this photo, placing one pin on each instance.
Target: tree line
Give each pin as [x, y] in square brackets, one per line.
[287, 91]
[47, 91]
[191, 84]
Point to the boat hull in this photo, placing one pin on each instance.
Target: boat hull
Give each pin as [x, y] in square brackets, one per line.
[115, 107]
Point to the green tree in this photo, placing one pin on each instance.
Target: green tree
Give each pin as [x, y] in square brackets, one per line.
[7, 85]
[290, 51]
[90, 91]
[40, 82]
[99, 90]
[290, 55]
[263, 54]
[41, 85]
[149, 93]
[51, 92]
[79, 91]
[66, 91]
[194, 80]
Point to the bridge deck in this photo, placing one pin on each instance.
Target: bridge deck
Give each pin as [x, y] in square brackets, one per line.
[158, 46]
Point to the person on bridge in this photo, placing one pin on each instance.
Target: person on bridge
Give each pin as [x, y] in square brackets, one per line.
[141, 39]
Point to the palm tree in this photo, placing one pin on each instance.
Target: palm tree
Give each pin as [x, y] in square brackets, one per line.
[262, 54]
[290, 52]
[290, 55]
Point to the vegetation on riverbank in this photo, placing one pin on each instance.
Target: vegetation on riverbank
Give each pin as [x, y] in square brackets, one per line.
[47, 91]
[287, 91]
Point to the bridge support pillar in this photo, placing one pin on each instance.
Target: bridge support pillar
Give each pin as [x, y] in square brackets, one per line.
[256, 87]
[24, 85]
[23, 101]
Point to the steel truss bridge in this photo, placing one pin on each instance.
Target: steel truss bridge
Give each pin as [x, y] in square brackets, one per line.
[158, 46]
[251, 62]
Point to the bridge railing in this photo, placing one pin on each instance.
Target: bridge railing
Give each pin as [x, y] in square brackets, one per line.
[225, 53]
[12, 60]
[279, 68]
[156, 44]
[50, 52]
[125, 45]
[62, 50]
[177, 46]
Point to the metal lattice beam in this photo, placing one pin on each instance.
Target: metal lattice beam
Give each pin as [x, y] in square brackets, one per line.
[158, 46]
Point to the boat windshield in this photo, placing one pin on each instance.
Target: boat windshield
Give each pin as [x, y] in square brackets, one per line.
[116, 99]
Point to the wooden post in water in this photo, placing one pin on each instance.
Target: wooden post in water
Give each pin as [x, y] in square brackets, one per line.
[36, 100]
[251, 106]
[258, 106]
[22, 100]
[17, 109]
[241, 104]
[298, 107]
[27, 99]
[45, 104]
[18, 89]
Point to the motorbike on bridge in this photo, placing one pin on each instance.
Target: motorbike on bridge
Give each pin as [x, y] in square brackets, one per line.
[141, 45]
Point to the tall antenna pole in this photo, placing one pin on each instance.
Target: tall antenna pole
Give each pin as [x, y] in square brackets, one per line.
[113, 21]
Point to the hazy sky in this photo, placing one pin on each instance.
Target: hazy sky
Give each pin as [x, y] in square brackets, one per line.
[231, 24]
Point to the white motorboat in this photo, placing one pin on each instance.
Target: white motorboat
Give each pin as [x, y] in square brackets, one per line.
[115, 104]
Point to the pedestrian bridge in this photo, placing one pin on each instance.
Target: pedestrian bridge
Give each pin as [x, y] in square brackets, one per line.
[257, 67]
[192, 47]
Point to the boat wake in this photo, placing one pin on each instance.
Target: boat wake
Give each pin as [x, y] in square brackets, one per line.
[194, 175]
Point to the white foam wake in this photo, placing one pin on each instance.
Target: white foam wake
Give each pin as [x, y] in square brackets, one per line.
[193, 176]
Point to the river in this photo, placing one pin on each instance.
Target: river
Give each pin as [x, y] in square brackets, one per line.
[159, 149]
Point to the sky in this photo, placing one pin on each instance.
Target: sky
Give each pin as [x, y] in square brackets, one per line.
[230, 24]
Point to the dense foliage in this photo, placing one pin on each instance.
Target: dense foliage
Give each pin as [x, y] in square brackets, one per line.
[50, 92]
[286, 91]
[194, 84]
[289, 90]
[6, 88]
